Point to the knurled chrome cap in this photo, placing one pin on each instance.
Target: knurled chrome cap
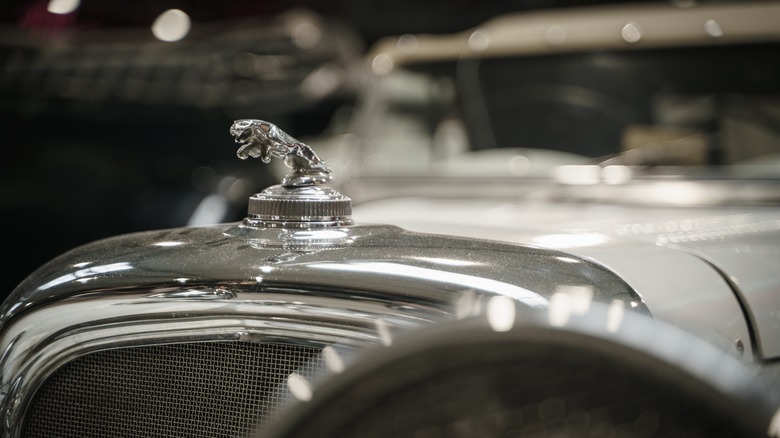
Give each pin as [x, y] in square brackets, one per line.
[299, 207]
[302, 200]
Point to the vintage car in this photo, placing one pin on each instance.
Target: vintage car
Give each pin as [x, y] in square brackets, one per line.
[559, 224]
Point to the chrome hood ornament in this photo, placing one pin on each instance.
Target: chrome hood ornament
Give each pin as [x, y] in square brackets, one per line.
[259, 138]
[301, 200]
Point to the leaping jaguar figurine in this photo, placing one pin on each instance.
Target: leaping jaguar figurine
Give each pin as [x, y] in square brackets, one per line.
[265, 140]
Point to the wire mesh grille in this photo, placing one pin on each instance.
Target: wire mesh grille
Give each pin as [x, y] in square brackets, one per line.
[210, 389]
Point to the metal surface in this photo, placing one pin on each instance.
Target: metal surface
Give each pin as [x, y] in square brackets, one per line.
[172, 390]
[659, 251]
[499, 374]
[299, 207]
[301, 201]
[265, 140]
[291, 272]
[344, 285]
[696, 237]
[749, 258]
[649, 192]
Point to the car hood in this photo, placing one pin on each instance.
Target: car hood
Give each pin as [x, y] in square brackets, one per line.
[711, 270]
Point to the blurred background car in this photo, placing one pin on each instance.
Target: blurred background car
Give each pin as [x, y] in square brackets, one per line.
[114, 115]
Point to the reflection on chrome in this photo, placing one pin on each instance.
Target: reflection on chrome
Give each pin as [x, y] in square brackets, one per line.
[384, 332]
[560, 309]
[581, 297]
[443, 261]
[615, 315]
[300, 387]
[473, 282]
[567, 259]
[332, 359]
[501, 313]
[467, 304]
[205, 293]
[306, 235]
[88, 272]
[168, 244]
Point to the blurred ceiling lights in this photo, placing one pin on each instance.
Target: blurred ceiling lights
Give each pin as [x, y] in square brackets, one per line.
[171, 25]
[62, 7]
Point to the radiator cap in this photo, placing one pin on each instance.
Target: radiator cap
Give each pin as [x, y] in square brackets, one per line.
[303, 199]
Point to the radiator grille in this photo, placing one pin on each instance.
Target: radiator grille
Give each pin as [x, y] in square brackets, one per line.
[210, 389]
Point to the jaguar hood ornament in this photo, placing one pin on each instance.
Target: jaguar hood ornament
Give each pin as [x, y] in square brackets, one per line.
[265, 140]
[302, 200]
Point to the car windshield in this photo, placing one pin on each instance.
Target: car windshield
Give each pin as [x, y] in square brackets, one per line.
[698, 112]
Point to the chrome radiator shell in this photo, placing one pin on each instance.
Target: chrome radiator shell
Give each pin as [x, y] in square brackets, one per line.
[349, 286]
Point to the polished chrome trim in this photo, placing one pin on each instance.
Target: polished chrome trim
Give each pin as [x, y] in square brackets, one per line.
[331, 261]
[301, 200]
[354, 285]
[264, 140]
[40, 342]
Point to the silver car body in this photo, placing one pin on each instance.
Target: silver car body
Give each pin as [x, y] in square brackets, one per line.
[702, 252]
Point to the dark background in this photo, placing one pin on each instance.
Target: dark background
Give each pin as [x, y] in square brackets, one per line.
[107, 130]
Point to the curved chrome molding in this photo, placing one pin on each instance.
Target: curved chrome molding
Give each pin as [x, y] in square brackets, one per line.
[387, 261]
[352, 285]
[39, 342]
